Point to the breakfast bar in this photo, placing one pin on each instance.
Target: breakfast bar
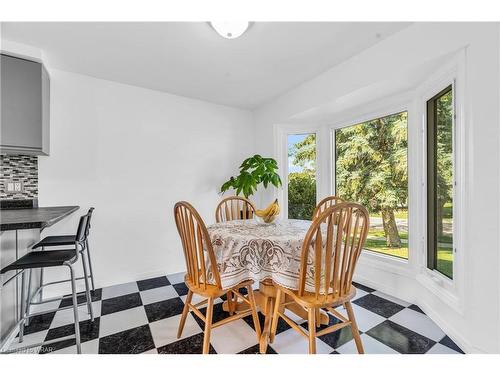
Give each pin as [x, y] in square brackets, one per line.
[20, 228]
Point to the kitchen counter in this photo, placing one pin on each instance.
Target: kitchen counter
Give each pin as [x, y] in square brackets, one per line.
[32, 218]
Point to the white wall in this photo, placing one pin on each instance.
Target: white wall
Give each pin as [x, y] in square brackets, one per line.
[132, 153]
[476, 327]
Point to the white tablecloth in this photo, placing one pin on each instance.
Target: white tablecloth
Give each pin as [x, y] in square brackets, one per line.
[247, 250]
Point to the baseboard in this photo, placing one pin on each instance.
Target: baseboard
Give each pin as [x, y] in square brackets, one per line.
[464, 344]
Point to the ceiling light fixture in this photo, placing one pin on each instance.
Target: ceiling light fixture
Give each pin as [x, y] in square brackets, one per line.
[230, 29]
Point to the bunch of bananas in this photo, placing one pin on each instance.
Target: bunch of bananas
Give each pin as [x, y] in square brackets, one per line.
[270, 212]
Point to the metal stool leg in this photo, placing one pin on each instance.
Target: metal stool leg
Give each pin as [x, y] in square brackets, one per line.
[23, 305]
[41, 280]
[87, 250]
[28, 298]
[75, 310]
[87, 289]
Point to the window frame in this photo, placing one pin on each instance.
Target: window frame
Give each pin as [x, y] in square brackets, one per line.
[431, 174]
[382, 108]
[450, 291]
[282, 131]
[287, 134]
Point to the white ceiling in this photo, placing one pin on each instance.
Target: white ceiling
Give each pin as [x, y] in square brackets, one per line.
[190, 59]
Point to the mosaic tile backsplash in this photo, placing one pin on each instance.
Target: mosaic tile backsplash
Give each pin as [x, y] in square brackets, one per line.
[19, 168]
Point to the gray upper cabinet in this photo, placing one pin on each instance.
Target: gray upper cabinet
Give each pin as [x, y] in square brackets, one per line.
[25, 101]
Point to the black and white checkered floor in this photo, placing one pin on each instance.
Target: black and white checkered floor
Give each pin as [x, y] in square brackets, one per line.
[143, 316]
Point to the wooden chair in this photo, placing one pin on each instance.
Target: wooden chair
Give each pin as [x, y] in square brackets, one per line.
[201, 268]
[330, 252]
[325, 203]
[234, 208]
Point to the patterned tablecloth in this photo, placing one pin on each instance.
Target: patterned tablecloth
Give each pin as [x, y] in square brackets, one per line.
[247, 250]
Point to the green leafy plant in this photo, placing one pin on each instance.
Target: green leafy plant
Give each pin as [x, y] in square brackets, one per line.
[253, 171]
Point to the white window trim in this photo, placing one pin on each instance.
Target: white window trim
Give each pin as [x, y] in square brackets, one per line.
[450, 291]
[381, 108]
[282, 131]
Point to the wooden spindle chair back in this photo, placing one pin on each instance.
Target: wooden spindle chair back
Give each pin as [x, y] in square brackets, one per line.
[197, 246]
[331, 249]
[234, 208]
[324, 204]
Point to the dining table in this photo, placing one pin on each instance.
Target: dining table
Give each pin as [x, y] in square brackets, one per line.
[267, 253]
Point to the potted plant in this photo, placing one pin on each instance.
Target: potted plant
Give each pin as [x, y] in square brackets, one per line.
[253, 171]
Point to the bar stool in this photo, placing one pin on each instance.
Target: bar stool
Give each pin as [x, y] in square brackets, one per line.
[45, 259]
[67, 240]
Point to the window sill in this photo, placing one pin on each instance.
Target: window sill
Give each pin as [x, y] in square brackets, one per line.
[440, 287]
[386, 263]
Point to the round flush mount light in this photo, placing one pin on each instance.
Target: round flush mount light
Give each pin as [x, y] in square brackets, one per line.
[230, 29]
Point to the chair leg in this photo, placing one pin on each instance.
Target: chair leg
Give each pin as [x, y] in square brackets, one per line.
[354, 328]
[75, 310]
[23, 305]
[230, 303]
[318, 318]
[87, 287]
[253, 306]
[185, 311]
[208, 325]
[274, 322]
[311, 317]
[87, 250]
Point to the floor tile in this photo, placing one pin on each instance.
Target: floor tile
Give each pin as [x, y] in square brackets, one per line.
[359, 293]
[392, 299]
[256, 350]
[176, 278]
[142, 316]
[66, 316]
[164, 309]
[446, 341]
[378, 305]
[82, 298]
[233, 337]
[419, 323]
[119, 290]
[190, 345]
[132, 341]
[165, 331]
[363, 287]
[181, 289]
[88, 331]
[158, 294]
[400, 338]
[39, 323]
[291, 342]
[370, 346]
[218, 314]
[30, 339]
[416, 308]
[89, 347]
[365, 319]
[122, 320]
[125, 302]
[152, 351]
[333, 339]
[441, 349]
[155, 282]
[44, 307]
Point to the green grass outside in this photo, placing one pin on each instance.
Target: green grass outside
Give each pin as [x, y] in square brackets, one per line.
[376, 242]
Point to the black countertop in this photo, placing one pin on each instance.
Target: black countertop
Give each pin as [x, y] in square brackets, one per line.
[32, 218]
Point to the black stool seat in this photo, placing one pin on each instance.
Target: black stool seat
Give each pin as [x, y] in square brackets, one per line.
[56, 241]
[37, 259]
